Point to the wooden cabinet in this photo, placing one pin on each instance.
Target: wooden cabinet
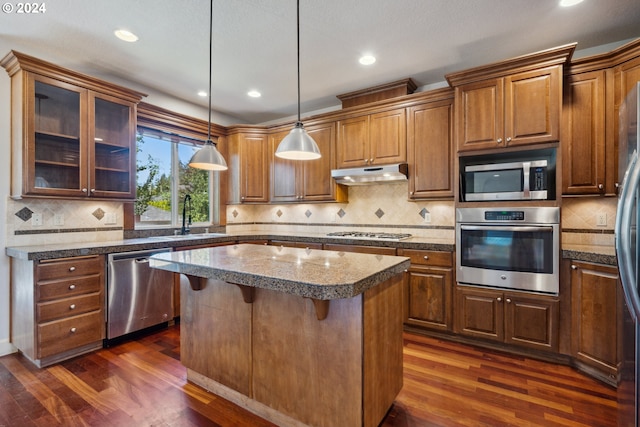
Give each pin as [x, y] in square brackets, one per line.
[584, 145]
[596, 305]
[57, 307]
[248, 168]
[73, 136]
[514, 102]
[308, 181]
[429, 289]
[377, 138]
[526, 320]
[290, 244]
[430, 152]
[519, 109]
[376, 250]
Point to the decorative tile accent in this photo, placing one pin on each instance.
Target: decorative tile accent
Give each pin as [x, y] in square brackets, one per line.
[24, 214]
[279, 213]
[308, 213]
[423, 212]
[98, 213]
[379, 213]
[341, 213]
[235, 213]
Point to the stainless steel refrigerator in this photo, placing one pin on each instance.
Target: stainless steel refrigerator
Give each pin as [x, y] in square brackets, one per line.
[626, 237]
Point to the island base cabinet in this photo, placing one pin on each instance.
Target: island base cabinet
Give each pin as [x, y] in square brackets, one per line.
[288, 366]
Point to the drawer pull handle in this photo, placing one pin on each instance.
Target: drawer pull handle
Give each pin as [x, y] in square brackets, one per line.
[72, 269]
[426, 257]
[73, 330]
[72, 307]
[72, 287]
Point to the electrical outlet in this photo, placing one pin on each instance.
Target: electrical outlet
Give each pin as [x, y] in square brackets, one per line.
[427, 217]
[36, 219]
[110, 218]
[601, 219]
[58, 219]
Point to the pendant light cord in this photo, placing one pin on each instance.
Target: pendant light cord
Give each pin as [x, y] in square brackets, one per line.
[298, 40]
[210, 68]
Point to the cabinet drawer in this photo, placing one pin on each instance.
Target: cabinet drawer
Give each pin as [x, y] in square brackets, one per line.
[65, 288]
[421, 257]
[69, 267]
[66, 334]
[66, 307]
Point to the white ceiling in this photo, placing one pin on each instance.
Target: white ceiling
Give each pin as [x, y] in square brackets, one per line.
[255, 43]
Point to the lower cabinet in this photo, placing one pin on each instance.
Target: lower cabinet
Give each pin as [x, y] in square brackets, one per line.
[292, 244]
[376, 250]
[526, 320]
[429, 289]
[596, 306]
[57, 307]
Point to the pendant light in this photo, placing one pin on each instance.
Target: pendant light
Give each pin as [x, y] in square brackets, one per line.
[208, 157]
[298, 145]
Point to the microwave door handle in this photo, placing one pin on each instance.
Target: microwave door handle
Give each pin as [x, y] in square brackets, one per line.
[526, 172]
[505, 228]
[623, 235]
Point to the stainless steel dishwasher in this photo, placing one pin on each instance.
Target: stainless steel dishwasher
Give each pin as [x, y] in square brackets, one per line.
[138, 296]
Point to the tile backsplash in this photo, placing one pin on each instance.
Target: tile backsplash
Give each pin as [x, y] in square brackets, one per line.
[44, 221]
[382, 207]
[579, 220]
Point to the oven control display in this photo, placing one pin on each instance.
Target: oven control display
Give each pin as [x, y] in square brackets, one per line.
[504, 216]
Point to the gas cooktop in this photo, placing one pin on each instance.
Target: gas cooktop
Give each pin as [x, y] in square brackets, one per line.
[370, 235]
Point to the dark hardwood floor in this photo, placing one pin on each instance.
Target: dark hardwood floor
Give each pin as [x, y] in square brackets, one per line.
[142, 383]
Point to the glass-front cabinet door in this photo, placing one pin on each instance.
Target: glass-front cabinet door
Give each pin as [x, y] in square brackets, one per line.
[56, 150]
[112, 161]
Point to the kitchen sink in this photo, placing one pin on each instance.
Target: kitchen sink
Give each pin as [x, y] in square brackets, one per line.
[187, 236]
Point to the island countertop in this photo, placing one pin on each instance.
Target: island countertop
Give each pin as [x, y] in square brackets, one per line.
[311, 273]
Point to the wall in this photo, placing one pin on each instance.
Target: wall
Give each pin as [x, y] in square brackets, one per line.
[5, 170]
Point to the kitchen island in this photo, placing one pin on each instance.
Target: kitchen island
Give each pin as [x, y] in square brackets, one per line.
[297, 336]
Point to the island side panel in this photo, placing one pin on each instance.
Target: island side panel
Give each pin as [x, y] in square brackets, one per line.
[215, 333]
[308, 369]
[383, 343]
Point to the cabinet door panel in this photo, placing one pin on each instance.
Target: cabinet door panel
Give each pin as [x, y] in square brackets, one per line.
[531, 322]
[353, 142]
[316, 181]
[583, 139]
[283, 173]
[480, 115]
[254, 169]
[532, 106]
[388, 137]
[480, 313]
[429, 298]
[430, 150]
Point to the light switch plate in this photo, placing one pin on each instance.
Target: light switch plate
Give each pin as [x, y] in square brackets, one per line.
[58, 219]
[601, 220]
[110, 218]
[36, 219]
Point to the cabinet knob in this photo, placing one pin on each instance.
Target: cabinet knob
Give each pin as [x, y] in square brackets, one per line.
[499, 299]
[600, 187]
[72, 307]
[508, 300]
[73, 330]
[508, 139]
[72, 287]
[499, 140]
[72, 269]
[84, 190]
[411, 193]
[426, 257]
[93, 190]
[242, 198]
[574, 267]
[370, 161]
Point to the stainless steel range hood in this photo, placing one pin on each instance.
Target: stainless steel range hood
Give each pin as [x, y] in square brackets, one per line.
[371, 174]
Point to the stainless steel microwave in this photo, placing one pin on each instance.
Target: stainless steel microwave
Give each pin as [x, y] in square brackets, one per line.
[513, 180]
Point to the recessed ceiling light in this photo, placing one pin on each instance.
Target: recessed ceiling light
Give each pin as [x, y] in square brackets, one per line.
[126, 36]
[567, 3]
[254, 94]
[202, 93]
[367, 59]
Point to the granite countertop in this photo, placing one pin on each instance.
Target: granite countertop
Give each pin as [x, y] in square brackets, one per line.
[308, 273]
[590, 253]
[64, 250]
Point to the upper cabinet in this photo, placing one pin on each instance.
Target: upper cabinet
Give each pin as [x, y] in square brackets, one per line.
[430, 151]
[306, 181]
[248, 167]
[73, 136]
[373, 139]
[515, 102]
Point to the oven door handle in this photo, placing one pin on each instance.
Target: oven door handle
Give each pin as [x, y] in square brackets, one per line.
[506, 228]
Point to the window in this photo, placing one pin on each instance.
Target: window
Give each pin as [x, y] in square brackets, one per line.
[164, 179]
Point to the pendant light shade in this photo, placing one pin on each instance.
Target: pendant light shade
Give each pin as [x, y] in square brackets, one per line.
[298, 145]
[208, 157]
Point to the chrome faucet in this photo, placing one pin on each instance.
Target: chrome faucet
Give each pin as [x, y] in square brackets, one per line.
[185, 227]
